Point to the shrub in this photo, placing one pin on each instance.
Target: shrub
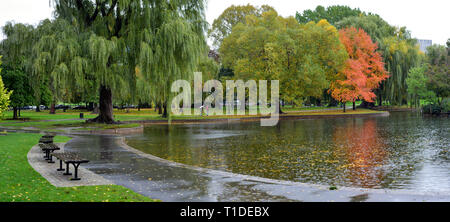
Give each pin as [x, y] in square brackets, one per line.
[432, 109]
[446, 105]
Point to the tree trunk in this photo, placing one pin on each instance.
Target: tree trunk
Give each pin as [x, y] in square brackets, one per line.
[318, 102]
[106, 107]
[333, 102]
[15, 116]
[367, 105]
[90, 106]
[165, 114]
[19, 111]
[344, 107]
[354, 105]
[159, 109]
[279, 109]
[38, 109]
[95, 111]
[52, 109]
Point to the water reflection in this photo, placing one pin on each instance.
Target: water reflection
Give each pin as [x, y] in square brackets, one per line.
[403, 151]
[364, 150]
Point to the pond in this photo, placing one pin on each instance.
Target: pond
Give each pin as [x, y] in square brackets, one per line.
[402, 151]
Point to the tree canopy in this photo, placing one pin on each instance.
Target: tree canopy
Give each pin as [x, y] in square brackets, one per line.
[16, 48]
[128, 52]
[304, 57]
[438, 71]
[332, 14]
[102, 44]
[417, 84]
[399, 51]
[364, 69]
[4, 94]
[233, 15]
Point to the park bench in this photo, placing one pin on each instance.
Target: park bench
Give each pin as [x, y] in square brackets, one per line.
[46, 139]
[48, 148]
[48, 136]
[69, 158]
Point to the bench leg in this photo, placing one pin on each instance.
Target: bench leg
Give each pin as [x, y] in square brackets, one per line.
[67, 170]
[50, 158]
[75, 177]
[47, 154]
[60, 166]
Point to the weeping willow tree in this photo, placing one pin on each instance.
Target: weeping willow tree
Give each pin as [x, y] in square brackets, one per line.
[58, 60]
[400, 55]
[171, 51]
[161, 38]
[15, 50]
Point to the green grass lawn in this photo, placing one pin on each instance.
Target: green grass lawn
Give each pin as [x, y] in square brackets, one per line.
[19, 182]
[120, 115]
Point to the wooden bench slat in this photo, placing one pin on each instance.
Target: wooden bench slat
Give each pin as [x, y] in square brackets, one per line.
[70, 157]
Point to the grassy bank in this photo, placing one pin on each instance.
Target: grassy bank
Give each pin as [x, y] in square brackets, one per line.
[20, 183]
[65, 120]
[120, 114]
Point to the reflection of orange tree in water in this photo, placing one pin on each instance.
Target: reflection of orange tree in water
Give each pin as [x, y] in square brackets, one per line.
[358, 143]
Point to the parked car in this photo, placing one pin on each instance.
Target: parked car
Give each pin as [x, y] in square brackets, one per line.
[130, 106]
[79, 107]
[28, 108]
[62, 107]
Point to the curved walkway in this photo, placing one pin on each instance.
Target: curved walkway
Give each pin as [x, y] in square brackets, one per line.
[168, 181]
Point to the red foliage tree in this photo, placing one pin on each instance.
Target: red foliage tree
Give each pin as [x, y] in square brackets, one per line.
[364, 70]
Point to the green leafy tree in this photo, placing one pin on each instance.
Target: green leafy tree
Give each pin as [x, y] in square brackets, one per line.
[332, 14]
[373, 24]
[114, 37]
[209, 68]
[303, 57]
[438, 71]
[417, 85]
[4, 94]
[58, 61]
[18, 82]
[16, 49]
[437, 54]
[223, 25]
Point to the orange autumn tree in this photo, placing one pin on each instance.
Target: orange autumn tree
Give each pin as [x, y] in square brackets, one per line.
[364, 69]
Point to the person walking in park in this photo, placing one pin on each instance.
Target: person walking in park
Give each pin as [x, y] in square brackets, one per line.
[201, 110]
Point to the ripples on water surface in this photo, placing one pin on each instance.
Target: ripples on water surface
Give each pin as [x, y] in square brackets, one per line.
[403, 151]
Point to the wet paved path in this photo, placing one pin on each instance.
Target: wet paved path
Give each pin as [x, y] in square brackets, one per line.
[170, 182]
[56, 178]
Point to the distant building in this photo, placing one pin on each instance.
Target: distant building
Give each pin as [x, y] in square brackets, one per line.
[424, 43]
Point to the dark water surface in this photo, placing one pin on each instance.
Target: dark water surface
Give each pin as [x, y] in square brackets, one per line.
[403, 151]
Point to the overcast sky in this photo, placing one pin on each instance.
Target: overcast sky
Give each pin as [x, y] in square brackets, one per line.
[426, 19]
